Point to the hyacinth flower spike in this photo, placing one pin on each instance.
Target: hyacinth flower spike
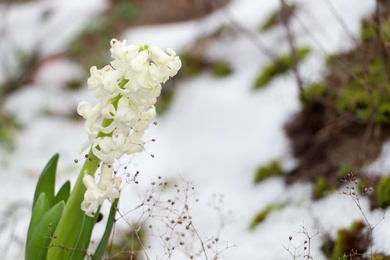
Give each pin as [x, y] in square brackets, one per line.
[126, 91]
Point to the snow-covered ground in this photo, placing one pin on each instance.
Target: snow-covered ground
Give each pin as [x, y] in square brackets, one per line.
[215, 134]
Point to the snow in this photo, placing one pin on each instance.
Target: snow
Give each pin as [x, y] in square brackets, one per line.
[215, 134]
[43, 26]
[381, 165]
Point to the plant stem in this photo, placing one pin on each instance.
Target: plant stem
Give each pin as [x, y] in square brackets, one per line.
[70, 225]
[70, 228]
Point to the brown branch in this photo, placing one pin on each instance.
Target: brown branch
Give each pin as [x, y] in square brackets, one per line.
[290, 38]
[260, 46]
[341, 21]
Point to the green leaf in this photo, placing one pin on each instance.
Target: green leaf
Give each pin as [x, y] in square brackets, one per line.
[106, 236]
[85, 236]
[262, 215]
[46, 182]
[40, 208]
[279, 66]
[63, 193]
[42, 233]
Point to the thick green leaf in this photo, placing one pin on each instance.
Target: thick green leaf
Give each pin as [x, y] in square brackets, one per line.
[107, 232]
[42, 233]
[46, 182]
[63, 193]
[85, 236]
[40, 208]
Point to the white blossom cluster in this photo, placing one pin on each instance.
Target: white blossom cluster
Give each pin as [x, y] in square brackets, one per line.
[106, 188]
[126, 90]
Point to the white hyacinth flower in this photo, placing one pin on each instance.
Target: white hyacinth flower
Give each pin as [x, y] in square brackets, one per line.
[126, 91]
[104, 82]
[107, 188]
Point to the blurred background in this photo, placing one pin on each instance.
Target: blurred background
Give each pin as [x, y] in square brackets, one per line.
[279, 119]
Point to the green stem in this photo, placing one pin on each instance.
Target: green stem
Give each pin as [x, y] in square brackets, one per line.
[70, 225]
[68, 232]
